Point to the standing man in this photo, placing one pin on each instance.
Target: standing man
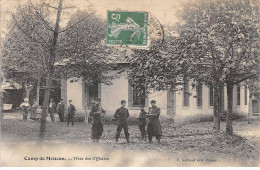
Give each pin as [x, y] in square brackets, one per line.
[71, 112]
[154, 125]
[52, 109]
[61, 110]
[142, 122]
[97, 113]
[25, 107]
[121, 115]
[33, 109]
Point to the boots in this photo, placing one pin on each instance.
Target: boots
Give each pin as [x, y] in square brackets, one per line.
[127, 140]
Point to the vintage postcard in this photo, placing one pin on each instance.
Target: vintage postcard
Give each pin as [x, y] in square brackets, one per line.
[119, 83]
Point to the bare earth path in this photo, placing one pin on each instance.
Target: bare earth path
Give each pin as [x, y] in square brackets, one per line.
[188, 145]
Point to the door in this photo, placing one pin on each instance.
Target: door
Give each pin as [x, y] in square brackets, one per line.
[93, 93]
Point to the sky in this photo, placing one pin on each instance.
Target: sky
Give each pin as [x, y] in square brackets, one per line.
[164, 10]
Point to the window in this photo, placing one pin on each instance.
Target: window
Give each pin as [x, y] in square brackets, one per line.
[245, 96]
[238, 95]
[186, 95]
[199, 95]
[211, 96]
[138, 98]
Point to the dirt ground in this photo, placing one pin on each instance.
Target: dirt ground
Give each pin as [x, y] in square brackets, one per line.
[187, 145]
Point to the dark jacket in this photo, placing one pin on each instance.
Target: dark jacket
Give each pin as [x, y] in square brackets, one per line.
[98, 114]
[61, 108]
[121, 115]
[142, 118]
[154, 125]
[71, 109]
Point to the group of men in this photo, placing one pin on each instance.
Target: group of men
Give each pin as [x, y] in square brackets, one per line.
[60, 109]
[121, 115]
[152, 127]
[52, 109]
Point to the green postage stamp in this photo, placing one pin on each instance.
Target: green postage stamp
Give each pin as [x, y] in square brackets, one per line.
[127, 28]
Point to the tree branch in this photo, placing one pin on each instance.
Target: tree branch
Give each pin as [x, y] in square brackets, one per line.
[34, 30]
[24, 32]
[49, 5]
[44, 21]
[245, 78]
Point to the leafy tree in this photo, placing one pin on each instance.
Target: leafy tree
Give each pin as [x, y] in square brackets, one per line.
[83, 51]
[220, 38]
[34, 22]
[158, 68]
[23, 59]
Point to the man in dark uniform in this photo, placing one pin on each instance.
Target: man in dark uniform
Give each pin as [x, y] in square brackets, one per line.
[142, 122]
[97, 113]
[71, 112]
[61, 110]
[154, 125]
[52, 109]
[121, 115]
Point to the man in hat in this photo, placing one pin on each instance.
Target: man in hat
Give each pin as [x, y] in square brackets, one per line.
[121, 115]
[52, 109]
[97, 113]
[61, 110]
[71, 112]
[154, 125]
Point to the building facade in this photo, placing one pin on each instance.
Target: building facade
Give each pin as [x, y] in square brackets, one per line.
[173, 104]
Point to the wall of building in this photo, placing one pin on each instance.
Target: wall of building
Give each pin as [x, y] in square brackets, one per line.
[191, 110]
[111, 95]
[74, 93]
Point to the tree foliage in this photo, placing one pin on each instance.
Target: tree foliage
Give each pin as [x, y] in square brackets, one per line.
[24, 47]
[221, 41]
[83, 51]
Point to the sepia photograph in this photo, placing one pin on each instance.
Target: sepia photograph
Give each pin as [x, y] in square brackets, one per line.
[130, 83]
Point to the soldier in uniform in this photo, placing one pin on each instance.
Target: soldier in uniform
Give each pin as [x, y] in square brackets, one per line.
[121, 115]
[154, 125]
[71, 112]
[142, 122]
[97, 113]
[61, 110]
[52, 109]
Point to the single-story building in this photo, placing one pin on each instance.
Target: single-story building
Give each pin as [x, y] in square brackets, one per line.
[173, 104]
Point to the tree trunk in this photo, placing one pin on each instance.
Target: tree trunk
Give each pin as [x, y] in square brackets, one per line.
[27, 92]
[38, 91]
[1, 101]
[250, 104]
[216, 127]
[229, 128]
[221, 102]
[216, 109]
[86, 114]
[45, 106]
[50, 74]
